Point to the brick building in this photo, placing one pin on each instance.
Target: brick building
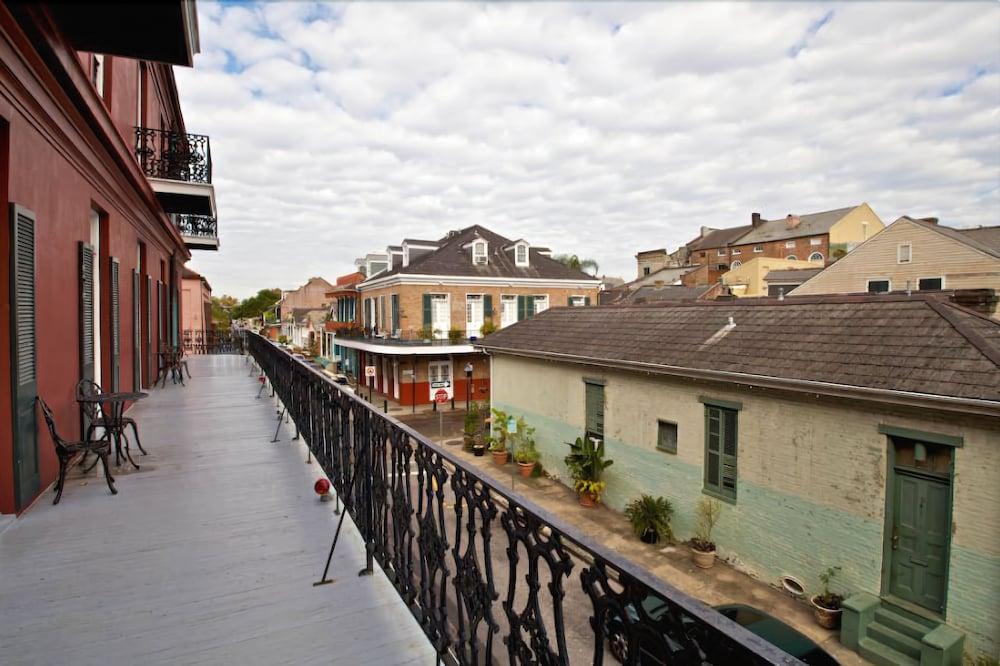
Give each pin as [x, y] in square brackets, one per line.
[850, 431]
[416, 319]
[107, 194]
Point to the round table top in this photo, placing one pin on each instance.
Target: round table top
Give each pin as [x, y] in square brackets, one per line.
[121, 396]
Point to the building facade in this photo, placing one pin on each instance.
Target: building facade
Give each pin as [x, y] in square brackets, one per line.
[196, 305]
[417, 318]
[100, 178]
[916, 255]
[881, 463]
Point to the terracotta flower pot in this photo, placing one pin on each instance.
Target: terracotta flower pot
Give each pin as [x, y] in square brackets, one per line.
[703, 559]
[525, 468]
[588, 500]
[500, 457]
[650, 536]
[828, 618]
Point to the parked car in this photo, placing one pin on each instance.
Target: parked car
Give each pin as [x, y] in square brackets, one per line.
[668, 650]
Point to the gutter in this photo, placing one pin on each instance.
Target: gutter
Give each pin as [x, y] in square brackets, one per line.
[925, 400]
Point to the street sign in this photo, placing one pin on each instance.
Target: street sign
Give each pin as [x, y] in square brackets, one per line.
[369, 371]
[441, 396]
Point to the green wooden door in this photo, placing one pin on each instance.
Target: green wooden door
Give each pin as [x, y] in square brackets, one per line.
[24, 354]
[920, 537]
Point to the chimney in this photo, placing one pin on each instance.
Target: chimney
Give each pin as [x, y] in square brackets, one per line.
[755, 220]
[792, 221]
[983, 301]
[704, 231]
[929, 220]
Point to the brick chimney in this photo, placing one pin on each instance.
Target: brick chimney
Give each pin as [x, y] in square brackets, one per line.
[984, 300]
[929, 220]
[755, 220]
[792, 221]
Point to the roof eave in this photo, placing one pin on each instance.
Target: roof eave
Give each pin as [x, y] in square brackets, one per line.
[904, 398]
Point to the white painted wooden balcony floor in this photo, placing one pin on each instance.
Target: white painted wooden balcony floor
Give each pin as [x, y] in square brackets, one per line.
[206, 555]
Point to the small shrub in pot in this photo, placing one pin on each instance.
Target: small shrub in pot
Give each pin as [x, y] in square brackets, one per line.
[650, 518]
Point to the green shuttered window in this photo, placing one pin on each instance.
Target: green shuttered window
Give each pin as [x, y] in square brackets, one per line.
[25, 354]
[395, 313]
[595, 410]
[720, 451]
[427, 311]
[116, 343]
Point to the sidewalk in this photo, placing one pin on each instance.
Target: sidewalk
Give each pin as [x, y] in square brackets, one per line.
[719, 585]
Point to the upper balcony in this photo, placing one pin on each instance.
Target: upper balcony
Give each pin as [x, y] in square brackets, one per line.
[179, 168]
[404, 342]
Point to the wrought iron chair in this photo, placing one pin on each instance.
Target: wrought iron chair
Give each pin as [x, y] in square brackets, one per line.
[65, 450]
[86, 388]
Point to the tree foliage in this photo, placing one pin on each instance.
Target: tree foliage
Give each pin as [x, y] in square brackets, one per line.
[256, 305]
[573, 261]
[222, 307]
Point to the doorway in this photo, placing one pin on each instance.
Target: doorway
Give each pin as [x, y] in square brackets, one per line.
[918, 522]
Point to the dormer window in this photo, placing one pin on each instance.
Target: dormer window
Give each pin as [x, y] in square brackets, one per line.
[521, 255]
[479, 255]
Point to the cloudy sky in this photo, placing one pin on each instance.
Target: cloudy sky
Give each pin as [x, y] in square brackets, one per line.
[594, 129]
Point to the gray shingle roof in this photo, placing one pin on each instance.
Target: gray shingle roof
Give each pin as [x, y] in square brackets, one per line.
[918, 344]
[791, 275]
[988, 236]
[718, 238]
[813, 223]
[451, 258]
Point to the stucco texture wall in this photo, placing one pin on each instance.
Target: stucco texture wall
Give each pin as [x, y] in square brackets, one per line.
[811, 479]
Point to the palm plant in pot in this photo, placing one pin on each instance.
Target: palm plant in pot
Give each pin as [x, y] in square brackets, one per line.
[498, 440]
[586, 463]
[650, 518]
[525, 454]
[702, 546]
[827, 604]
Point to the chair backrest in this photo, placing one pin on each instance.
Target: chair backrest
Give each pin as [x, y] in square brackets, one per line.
[87, 388]
[50, 421]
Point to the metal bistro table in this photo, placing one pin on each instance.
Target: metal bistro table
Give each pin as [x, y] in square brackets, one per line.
[113, 406]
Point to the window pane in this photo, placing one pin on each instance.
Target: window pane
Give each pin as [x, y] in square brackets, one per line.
[729, 428]
[666, 436]
[878, 286]
[712, 470]
[929, 283]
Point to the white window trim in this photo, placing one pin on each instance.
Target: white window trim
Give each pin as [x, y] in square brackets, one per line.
[720, 253]
[816, 254]
[909, 249]
[527, 255]
[815, 241]
[868, 284]
[583, 300]
[98, 73]
[736, 251]
[471, 298]
[758, 248]
[442, 332]
[735, 264]
[791, 257]
[485, 256]
[541, 298]
[931, 277]
[509, 298]
[789, 244]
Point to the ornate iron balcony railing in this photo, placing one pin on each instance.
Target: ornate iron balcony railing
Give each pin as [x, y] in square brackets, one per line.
[430, 519]
[174, 155]
[232, 341]
[201, 226]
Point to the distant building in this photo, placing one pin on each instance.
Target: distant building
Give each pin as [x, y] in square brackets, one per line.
[196, 306]
[780, 281]
[750, 278]
[915, 255]
[310, 295]
[417, 317]
[858, 431]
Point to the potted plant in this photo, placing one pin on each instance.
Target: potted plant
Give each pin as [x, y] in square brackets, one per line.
[426, 334]
[650, 518]
[487, 327]
[586, 463]
[702, 546]
[525, 453]
[479, 444]
[827, 605]
[498, 449]
[470, 427]
[455, 335]
[499, 436]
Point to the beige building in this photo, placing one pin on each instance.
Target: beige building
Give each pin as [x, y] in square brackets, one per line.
[196, 305]
[750, 278]
[310, 295]
[916, 255]
[825, 445]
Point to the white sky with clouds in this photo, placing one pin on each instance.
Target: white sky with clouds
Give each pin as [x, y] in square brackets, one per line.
[594, 129]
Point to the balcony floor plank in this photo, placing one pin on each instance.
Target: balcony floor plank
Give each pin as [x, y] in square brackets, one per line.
[206, 556]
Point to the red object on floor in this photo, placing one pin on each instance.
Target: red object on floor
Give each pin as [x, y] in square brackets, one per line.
[322, 487]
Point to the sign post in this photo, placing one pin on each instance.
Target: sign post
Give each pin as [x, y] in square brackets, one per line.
[370, 376]
[511, 426]
[441, 397]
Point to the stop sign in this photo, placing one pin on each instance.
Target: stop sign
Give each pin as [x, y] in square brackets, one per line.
[441, 396]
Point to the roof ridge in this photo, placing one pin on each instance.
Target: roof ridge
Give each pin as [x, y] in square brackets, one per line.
[955, 234]
[950, 311]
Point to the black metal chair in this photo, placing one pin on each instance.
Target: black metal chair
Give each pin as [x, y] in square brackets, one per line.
[86, 388]
[65, 450]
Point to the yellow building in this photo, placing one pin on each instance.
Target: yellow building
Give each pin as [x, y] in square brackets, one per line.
[750, 278]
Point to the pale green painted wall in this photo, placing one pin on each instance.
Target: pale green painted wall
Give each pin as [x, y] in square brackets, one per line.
[811, 476]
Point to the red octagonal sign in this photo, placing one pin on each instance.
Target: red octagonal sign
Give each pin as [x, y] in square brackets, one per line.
[441, 396]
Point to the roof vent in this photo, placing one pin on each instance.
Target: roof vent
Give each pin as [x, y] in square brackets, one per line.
[721, 333]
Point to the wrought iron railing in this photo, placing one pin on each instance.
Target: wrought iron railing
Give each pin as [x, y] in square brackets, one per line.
[174, 155]
[545, 594]
[199, 226]
[214, 341]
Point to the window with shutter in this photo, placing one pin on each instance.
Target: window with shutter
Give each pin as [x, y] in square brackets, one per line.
[136, 334]
[427, 311]
[721, 451]
[115, 326]
[87, 342]
[150, 364]
[25, 352]
[595, 410]
[395, 312]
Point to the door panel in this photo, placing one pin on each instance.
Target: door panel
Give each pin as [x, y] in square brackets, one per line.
[921, 526]
[24, 354]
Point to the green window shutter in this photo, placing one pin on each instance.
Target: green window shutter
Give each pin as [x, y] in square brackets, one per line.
[521, 310]
[529, 307]
[586, 300]
[116, 343]
[487, 306]
[721, 451]
[427, 310]
[87, 343]
[569, 301]
[595, 410]
[136, 334]
[395, 313]
[24, 354]
[150, 363]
